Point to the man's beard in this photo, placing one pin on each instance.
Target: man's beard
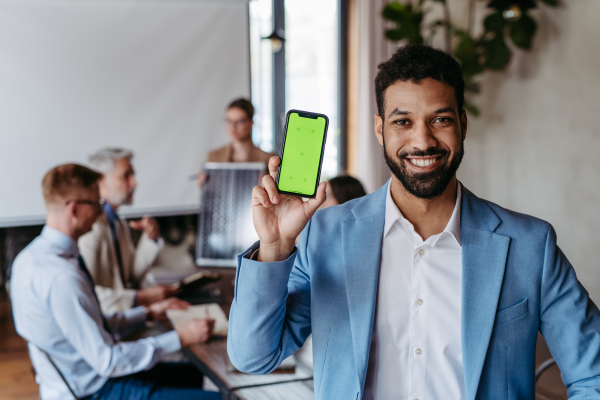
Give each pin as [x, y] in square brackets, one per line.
[121, 199]
[425, 185]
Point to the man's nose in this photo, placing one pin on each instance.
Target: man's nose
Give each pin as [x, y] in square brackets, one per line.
[422, 137]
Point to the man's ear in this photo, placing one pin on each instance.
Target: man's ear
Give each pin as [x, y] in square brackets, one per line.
[102, 186]
[463, 123]
[379, 128]
[72, 209]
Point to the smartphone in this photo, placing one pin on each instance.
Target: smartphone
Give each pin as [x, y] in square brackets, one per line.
[302, 153]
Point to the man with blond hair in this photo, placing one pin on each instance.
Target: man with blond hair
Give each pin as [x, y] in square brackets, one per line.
[116, 264]
[75, 349]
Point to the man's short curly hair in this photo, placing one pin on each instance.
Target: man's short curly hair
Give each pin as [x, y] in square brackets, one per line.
[415, 63]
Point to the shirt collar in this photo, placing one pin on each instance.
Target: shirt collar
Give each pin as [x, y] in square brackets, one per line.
[110, 212]
[61, 240]
[393, 214]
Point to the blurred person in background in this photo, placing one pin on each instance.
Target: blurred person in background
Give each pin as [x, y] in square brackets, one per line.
[115, 263]
[342, 189]
[75, 349]
[238, 119]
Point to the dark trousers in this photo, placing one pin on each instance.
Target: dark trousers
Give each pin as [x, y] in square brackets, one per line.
[166, 381]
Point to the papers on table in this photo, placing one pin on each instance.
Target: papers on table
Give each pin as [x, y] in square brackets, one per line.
[180, 317]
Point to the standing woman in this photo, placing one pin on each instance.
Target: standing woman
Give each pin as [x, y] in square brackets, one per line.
[238, 119]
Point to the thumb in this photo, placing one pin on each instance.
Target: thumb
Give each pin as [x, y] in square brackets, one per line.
[315, 203]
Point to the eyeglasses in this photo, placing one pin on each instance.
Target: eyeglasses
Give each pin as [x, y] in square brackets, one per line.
[99, 204]
[238, 122]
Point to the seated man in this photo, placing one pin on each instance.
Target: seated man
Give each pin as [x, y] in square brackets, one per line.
[56, 309]
[116, 266]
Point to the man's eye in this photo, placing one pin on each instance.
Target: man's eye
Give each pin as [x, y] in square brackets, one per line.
[443, 119]
[401, 122]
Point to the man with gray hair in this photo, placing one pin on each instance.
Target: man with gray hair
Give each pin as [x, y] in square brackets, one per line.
[115, 264]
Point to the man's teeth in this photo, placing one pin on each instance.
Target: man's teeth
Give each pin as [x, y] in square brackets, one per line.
[421, 162]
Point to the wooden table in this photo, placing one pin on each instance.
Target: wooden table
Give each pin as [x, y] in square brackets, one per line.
[289, 390]
[212, 360]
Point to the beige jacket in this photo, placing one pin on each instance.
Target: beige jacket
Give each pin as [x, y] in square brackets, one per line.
[224, 155]
[98, 252]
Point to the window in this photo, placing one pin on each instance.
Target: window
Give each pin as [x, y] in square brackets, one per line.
[311, 32]
[261, 73]
[311, 65]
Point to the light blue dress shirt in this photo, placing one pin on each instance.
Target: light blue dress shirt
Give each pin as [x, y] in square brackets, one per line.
[55, 309]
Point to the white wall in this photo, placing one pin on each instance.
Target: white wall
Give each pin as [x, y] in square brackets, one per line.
[153, 76]
[536, 147]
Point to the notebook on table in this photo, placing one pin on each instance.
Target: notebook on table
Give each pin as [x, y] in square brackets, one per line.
[180, 317]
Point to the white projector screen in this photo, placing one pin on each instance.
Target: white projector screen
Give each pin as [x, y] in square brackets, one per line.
[153, 76]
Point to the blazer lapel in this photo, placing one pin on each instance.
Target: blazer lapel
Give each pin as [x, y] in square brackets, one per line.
[484, 260]
[113, 268]
[361, 242]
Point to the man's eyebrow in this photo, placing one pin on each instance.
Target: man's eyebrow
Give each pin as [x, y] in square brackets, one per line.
[445, 110]
[398, 112]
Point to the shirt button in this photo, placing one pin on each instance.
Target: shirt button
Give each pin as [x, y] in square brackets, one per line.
[405, 224]
[421, 252]
[419, 302]
[418, 351]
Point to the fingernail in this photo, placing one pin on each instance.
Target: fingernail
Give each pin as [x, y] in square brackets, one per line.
[267, 203]
[275, 198]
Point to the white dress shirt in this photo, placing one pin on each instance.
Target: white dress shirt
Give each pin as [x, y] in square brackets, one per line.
[416, 350]
[55, 309]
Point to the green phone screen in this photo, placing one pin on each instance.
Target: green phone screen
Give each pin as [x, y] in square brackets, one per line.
[302, 154]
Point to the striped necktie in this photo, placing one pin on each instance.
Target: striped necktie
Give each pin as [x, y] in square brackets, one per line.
[91, 282]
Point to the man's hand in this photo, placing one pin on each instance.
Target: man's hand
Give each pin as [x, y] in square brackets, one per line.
[201, 179]
[196, 331]
[153, 294]
[148, 225]
[158, 310]
[278, 218]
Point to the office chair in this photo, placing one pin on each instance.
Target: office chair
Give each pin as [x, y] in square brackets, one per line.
[543, 367]
[58, 371]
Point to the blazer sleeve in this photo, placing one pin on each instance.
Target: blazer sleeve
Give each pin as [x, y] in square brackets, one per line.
[145, 253]
[271, 310]
[114, 300]
[570, 324]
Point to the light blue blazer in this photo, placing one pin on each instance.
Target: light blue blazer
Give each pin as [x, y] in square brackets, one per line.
[516, 282]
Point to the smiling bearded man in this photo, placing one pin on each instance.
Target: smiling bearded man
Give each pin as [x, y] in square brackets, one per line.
[420, 290]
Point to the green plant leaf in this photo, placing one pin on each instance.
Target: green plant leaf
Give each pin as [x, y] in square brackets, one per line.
[522, 31]
[494, 22]
[471, 108]
[497, 53]
[394, 35]
[395, 12]
[467, 53]
[408, 22]
[552, 3]
[473, 87]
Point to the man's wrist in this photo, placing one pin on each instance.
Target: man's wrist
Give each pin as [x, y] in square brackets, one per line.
[149, 315]
[274, 252]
